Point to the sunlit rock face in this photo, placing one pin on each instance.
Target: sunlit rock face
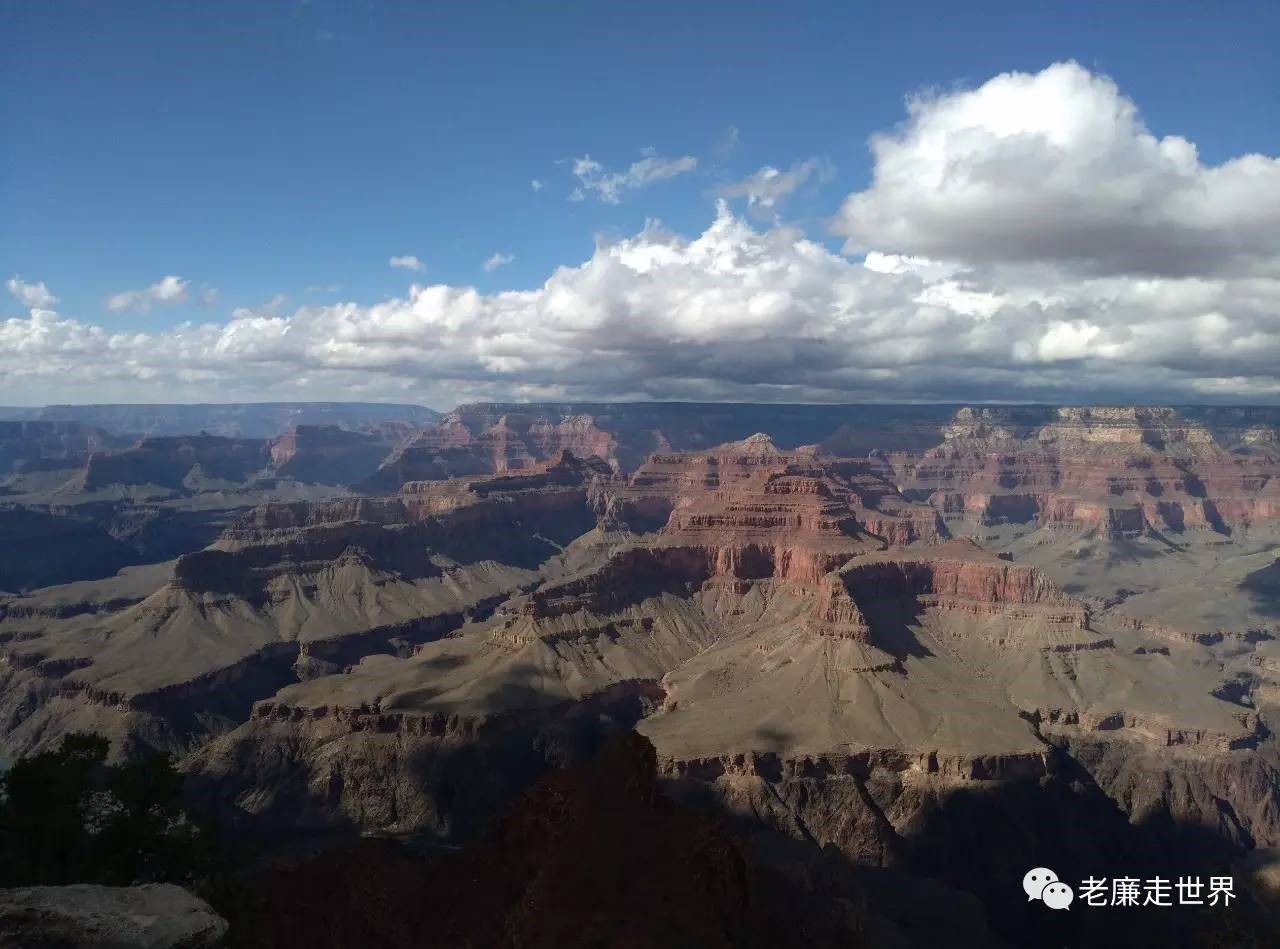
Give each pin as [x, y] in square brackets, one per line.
[1120, 470]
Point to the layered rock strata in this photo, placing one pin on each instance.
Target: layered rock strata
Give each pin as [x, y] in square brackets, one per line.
[288, 592]
[1119, 471]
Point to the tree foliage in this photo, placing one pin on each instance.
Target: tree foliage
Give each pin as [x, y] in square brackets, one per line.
[66, 816]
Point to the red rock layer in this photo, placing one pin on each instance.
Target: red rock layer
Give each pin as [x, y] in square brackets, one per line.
[1120, 471]
[953, 576]
[461, 445]
[739, 513]
[328, 454]
[750, 490]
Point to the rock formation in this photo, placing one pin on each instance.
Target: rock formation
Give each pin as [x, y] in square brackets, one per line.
[1061, 610]
[768, 642]
[289, 591]
[586, 855]
[1121, 471]
[151, 916]
[327, 454]
[496, 437]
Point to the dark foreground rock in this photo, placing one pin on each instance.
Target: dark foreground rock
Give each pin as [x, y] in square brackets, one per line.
[154, 916]
[590, 856]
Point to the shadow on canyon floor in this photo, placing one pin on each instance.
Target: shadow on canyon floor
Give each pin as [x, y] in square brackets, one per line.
[984, 841]
[596, 855]
[1263, 587]
[590, 856]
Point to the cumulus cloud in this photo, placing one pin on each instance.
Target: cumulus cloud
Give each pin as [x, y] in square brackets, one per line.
[407, 262]
[937, 308]
[536, 185]
[609, 186]
[166, 291]
[769, 186]
[30, 294]
[498, 260]
[733, 313]
[1059, 167]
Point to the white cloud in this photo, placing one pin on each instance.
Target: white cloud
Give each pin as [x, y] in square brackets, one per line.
[769, 186]
[166, 291]
[498, 260]
[900, 264]
[30, 295]
[732, 313]
[536, 185]
[408, 262]
[324, 288]
[1067, 340]
[764, 313]
[1058, 167]
[609, 186]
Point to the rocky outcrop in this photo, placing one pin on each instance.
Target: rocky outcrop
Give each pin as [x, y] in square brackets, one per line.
[307, 767]
[597, 855]
[956, 576]
[327, 454]
[494, 437]
[759, 511]
[462, 445]
[168, 461]
[1119, 472]
[1233, 799]
[150, 916]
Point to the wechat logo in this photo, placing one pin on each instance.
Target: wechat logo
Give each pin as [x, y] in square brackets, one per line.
[1041, 883]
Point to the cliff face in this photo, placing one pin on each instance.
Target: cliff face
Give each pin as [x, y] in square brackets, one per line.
[756, 508]
[169, 461]
[327, 454]
[595, 854]
[1119, 471]
[467, 443]
[495, 437]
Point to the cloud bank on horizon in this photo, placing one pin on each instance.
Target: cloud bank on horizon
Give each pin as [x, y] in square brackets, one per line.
[1029, 239]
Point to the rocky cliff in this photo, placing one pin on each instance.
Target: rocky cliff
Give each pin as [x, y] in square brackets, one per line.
[327, 454]
[1119, 471]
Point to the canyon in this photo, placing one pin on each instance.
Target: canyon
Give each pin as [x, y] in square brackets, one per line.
[934, 643]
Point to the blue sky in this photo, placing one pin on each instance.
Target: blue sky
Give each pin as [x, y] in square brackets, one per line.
[259, 149]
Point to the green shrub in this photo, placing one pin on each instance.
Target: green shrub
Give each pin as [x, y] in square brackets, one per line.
[66, 816]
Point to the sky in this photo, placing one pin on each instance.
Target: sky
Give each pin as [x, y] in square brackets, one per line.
[445, 202]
